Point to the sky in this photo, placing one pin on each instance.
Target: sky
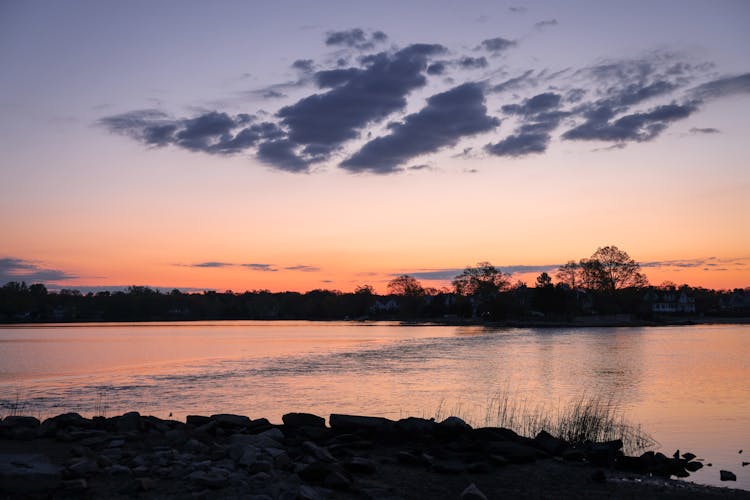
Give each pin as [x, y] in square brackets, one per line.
[299, 145]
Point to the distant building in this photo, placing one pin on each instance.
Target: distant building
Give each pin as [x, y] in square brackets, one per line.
[670, 302]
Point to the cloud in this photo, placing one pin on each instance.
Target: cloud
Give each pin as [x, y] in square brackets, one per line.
[515, 82]
[303, 268]
[260, 267]
[537, 104]
[519, 145]
[14, 269]
[539, 117]
[281, 154]
[708, 130]
[545, 23]
[472, 62]
[303, 65]
[355, 38]
[436, 68]
[449, 273]
[496, 45]
[517, 9]
[363, 96]
[722, 87]
[637, 127]
[707, 264]
[211, 264]
[212, 132]
[448, 117]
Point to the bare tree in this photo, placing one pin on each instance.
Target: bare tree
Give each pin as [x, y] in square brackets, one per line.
[483, 280]
[570, 274]
[610, 268]
[405, 285]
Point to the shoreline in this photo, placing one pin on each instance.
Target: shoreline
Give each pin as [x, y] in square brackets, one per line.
[579, 322]
[348, 456]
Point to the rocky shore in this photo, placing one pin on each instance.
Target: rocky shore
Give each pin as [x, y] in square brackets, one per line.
[233, 456]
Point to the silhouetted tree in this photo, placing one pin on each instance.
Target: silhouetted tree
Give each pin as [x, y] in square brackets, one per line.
[570, 274]
[405, 285]
[610, 269]
[543, 281]
[483, 280]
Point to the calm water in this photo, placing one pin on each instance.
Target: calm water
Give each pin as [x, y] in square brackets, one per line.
[689, 387]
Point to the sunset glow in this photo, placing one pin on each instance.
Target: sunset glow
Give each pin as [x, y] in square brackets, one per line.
[124, 161]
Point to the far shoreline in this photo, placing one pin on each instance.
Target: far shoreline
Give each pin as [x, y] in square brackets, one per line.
[607, 321]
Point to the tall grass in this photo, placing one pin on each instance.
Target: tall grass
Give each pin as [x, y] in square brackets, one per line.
[588, 418]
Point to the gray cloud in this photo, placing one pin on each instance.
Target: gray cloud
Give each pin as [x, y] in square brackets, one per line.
[519, 145]
[260, 267]
[517, 9]
[472, 62]
[515, 82]
[303, 268]
[545, 23]
[539, 117]
[14, 269]
[355, 38]
[723, 87]
[362, 96]
[451, 272]
[637, 127]
[211, 264]
[707, 130]
[447, 117]
[303, 65]
[496, 45]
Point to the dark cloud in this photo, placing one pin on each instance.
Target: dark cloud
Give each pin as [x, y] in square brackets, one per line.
[281, 154]
[708, 130]
[517, 9]
[540, 116]
[545, 23]
[148, 126]
[520, 145]
[335, 77]
[202, 132]
[303, 268]
[450, 273]
[436, 68]
[304, 65]
[472, 62]
[14, 269]
[363, 96]
[211, 264]
[260, 267]
[273, 94]
[537, 104]
[496, 45]
[448, 117]
[355, 38]
[422, 166]
[639, 127]
[705, 263]
[723, 87]
[515, 82]
[212, 132]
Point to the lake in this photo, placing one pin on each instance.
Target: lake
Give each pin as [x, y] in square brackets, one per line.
[688, 386]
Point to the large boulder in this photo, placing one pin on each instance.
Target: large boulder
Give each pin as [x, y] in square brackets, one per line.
[303, 420]
[24, 473]
[347, 423]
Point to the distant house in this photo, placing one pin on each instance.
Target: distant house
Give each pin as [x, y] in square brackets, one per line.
[385, 305]
[738, 301]
[670, 302]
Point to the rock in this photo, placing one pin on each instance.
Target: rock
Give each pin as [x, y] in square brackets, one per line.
[353, 422]
[693, 466]
[688, 456]
[318, 452]
[118, 470]
[726, 475]
[549, 443]
[24, 473]
[303, 420]
[360, 465]
[129, 422]
[514, 452]
[307, 492]
[455, 423]
[574, 455]
[472, 493]
[337, 480]
[145, 483]
[75, 485]
[195, 446]
[230, 420]
[599, 476]
[213, 478]
[280, 458]
[407, 458]
[415, 427]
[83, 467]
[16, 421]
[197, 420]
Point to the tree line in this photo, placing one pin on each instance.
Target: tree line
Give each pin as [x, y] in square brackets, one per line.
[608, 282]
